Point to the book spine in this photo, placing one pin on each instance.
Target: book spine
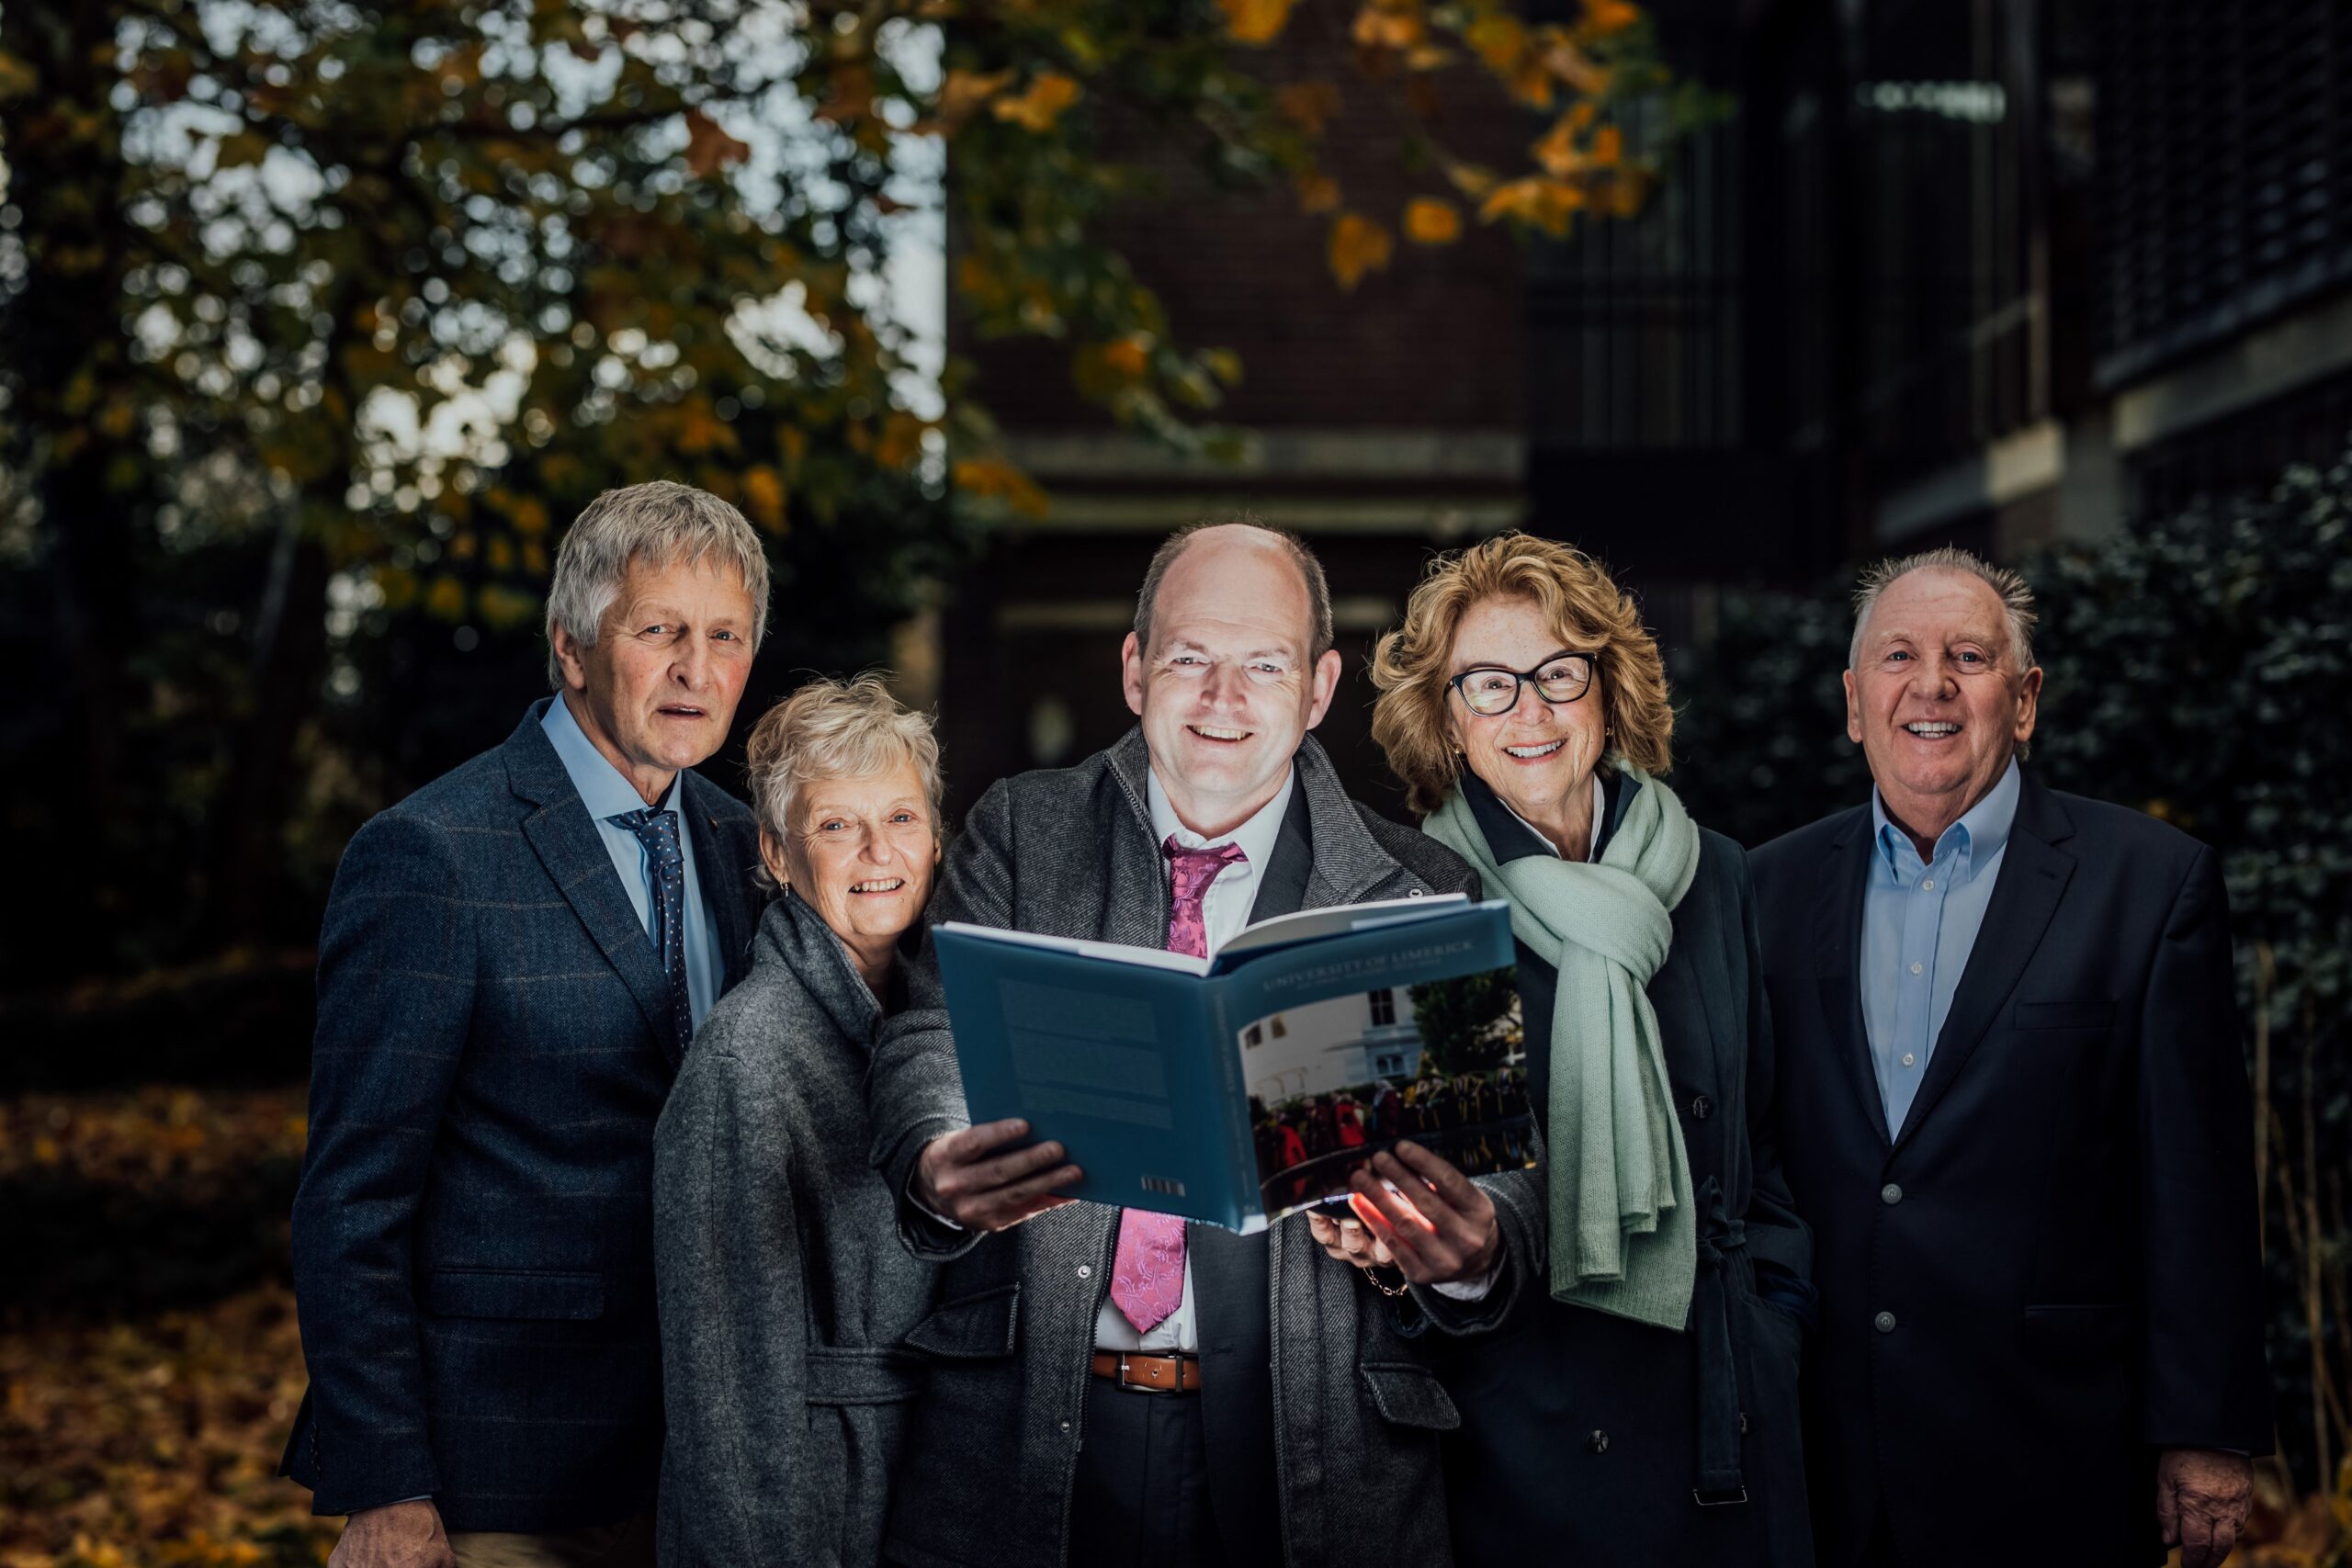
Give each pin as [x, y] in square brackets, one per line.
[1241, 1149]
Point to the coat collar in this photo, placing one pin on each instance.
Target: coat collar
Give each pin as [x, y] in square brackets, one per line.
[793, 934]
[1347, 862]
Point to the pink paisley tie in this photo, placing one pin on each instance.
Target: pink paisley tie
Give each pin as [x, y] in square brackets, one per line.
[1147, 1272]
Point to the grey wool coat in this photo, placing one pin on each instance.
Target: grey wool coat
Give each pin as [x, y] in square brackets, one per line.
[1322, 1425]
[784, 1289]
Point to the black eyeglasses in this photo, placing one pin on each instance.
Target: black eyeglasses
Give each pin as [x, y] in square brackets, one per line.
[1558, 680]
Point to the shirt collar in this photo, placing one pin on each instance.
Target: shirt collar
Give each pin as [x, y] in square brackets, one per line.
[1979, 835]
[603, 790]
[1256, 837]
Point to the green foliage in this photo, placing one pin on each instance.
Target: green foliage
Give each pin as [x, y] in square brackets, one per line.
[1468, 1023]
[2196, 668]
[324, 320]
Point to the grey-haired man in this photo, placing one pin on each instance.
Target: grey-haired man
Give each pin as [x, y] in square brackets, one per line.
[513, 960]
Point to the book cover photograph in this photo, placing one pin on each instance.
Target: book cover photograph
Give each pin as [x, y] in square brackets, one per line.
[1251, 1084]
[1334, 1082]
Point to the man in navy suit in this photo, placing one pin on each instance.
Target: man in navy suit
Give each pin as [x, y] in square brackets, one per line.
[513, 960]
[2014, 1111]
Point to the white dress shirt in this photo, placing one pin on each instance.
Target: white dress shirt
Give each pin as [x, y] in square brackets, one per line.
[1224, 910]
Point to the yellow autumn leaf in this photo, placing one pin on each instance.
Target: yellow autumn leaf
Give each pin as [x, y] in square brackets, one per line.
[1255, 21]
[1307, 104]
[1358, 246]
[1318, 193]
[901, 441]
[1384, 23]
[1498, 39]
[995, 478]
[1608, 147]
[1429, 221]
[1470, 179]
[965, 91]
[1043, 104]
[1538, 202]
[446, 598]
[1604, 17]
[763, 496]
[1127, 357]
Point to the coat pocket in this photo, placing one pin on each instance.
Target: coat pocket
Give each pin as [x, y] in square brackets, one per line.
[2092, 1012]
[525, 1293]
[1409, 1396]
[971, 1326]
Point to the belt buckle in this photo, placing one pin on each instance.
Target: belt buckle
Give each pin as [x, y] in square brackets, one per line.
[1719, 1500]
[1149, 1388]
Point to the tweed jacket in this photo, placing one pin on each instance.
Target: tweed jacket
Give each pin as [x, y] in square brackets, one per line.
[784, 1289]
[1347, 1419]
[473, 1234]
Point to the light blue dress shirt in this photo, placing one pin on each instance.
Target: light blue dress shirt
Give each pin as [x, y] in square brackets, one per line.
[607, 794]
[1919, 923]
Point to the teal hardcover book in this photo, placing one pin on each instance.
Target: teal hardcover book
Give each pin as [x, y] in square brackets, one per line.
[1251, 1084]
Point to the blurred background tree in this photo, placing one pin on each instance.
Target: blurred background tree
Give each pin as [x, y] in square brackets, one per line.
[324, 319]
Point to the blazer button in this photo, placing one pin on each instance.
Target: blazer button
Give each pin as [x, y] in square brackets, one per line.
[1890, 1194]
[1086, 1270]
[1598, 1442]
[1702, 1108]
[1883, 1322]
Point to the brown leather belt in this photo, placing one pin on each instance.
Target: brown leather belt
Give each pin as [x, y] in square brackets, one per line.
[1152, 1375]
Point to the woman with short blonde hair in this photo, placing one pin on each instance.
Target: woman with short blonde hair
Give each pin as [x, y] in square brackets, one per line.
[784, 1293]
[1649, 1274]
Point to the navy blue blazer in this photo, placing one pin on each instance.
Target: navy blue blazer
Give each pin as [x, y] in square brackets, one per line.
[473, 1237]
[2051, 1270]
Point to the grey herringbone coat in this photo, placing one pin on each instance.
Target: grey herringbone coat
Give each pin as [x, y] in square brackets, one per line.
[784, 1289]
[992, 1458]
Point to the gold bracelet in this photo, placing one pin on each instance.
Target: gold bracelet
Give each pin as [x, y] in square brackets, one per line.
[1371, 1274]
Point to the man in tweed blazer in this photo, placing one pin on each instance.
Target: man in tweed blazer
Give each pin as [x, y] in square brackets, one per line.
[513, 960]
[1268, 1414]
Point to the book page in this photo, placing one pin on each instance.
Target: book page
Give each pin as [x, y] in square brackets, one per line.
[1333, 1081]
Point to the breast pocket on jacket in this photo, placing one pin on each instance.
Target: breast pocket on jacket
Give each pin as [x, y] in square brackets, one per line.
[2090, 1013]
[532, 1295]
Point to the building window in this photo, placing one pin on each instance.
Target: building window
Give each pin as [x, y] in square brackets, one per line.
[1383, 1008]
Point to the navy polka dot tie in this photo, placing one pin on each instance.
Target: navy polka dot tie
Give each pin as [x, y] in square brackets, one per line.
[658, 831]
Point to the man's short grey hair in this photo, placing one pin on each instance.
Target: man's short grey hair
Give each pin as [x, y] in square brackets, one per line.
[833, 728]
[659, 524]
[1318, 590]
[2008, 585]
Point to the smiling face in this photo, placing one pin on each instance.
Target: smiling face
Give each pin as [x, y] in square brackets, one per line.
[1537, 756]
[1230, 683]
[1936, 699]
[658, 691]
[862, 856]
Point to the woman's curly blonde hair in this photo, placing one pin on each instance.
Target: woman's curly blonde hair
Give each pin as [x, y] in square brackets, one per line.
[1585, 607]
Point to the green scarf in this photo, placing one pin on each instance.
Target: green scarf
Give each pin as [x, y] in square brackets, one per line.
[1623, 1238]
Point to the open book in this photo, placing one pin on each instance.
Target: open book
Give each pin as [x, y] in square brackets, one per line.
[1248, 1084]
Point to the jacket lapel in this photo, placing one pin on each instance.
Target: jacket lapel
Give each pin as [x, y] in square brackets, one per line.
[567, 843]
[726, 881]
[1838, 943]
[1281, 890]
[2033, 877]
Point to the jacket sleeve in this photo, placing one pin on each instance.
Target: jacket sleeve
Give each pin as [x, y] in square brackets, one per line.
[1775, 1234]
[914, 1090]
[730, 1278]
[396, 995]
[2201, 1359]
[1522, 1259]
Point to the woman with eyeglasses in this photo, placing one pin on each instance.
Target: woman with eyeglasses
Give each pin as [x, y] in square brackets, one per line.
[1621, 1325]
